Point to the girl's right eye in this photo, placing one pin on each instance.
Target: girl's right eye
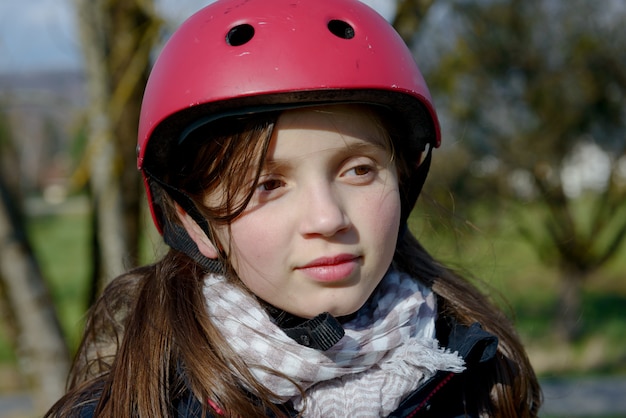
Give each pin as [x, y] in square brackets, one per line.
[269, 185]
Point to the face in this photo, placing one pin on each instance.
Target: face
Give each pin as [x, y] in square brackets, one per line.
[321, 229]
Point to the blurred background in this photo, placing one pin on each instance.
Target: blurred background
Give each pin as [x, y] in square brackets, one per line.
[527, 194]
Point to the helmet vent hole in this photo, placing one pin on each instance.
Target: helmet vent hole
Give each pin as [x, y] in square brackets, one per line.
[239, 35]
[341, 29]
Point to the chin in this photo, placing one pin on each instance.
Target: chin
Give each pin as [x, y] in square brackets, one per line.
[343, 311]
[348, 306]
[311, 313]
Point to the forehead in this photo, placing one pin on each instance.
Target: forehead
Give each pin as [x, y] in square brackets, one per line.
[353, 120]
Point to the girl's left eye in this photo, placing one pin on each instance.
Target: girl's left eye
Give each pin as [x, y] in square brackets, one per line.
[360, 174]
[361, 170]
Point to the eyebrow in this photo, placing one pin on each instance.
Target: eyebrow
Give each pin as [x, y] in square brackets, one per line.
[367, 146]
[360, 146]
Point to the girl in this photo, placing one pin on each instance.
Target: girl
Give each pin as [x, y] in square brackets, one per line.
[283, 145]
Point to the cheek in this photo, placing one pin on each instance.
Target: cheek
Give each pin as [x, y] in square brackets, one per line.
[251, 244]
[386, 208]
[384, 219]
[390, 212]
[253, 255]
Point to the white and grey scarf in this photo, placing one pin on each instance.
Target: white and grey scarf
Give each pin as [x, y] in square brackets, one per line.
[388, 349]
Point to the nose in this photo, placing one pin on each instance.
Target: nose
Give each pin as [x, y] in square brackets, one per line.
[323, 212]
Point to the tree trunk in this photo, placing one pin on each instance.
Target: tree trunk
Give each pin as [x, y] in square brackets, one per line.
[117, 38]
[569, 315]
[102, 153]
[40, 344]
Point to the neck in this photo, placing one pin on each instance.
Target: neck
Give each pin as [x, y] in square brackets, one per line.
[320, 333]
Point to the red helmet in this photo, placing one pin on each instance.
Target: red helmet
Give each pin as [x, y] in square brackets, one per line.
[244, 56]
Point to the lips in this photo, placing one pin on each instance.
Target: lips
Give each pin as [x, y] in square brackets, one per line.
[331, 269]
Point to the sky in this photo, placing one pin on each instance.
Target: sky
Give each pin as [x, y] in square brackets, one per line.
[42, 34]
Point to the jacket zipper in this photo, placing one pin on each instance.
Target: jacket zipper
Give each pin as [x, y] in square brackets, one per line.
[432, 393]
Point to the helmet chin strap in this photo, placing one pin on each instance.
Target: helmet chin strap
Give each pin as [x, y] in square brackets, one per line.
[413, 190]
[177, 237]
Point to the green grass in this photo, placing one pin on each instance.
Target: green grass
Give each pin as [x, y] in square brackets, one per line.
[61, 245]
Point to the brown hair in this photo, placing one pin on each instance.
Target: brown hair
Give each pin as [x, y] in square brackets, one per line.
[149, 336]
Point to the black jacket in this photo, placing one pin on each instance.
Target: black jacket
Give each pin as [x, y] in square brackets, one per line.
[445, 395]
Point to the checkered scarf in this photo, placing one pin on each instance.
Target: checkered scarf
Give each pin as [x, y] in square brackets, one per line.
[387, 351]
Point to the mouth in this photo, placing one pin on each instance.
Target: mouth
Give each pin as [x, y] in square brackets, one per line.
[331, 269]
